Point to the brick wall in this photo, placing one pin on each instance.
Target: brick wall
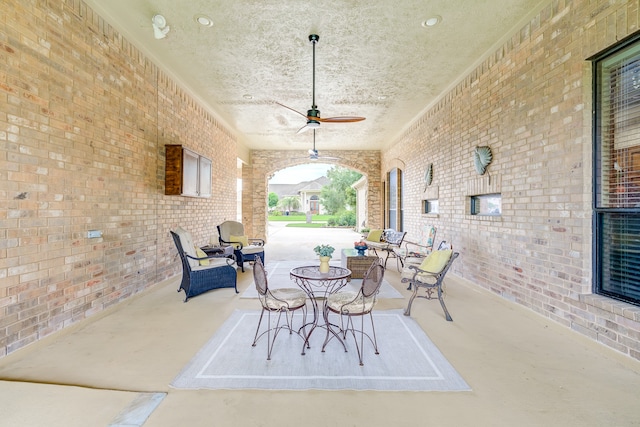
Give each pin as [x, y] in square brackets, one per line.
[530, 101]
[84, 118]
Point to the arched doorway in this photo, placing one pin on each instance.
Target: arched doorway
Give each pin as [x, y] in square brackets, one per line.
[265, 163]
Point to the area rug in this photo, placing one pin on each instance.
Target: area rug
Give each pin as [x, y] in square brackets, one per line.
[278, 277]
[408, 360]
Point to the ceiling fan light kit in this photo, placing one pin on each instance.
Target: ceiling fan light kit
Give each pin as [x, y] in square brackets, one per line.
[313, 153]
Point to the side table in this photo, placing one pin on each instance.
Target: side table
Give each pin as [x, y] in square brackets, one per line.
[358, 265]
[221, 251]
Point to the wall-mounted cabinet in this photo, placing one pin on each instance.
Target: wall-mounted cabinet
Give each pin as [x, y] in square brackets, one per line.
[186, 173]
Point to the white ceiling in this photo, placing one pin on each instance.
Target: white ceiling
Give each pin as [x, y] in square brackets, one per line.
[374, 59]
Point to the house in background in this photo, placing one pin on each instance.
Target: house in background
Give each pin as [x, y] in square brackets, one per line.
[308, 192]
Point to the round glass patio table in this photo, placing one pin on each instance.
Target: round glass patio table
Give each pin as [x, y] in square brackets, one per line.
[318, 286]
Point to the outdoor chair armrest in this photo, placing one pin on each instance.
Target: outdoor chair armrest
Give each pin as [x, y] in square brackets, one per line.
[419, 271]
[231, 259]
[240, 246]
[417, 250]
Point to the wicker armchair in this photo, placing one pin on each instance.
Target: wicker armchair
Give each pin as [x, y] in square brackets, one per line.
[244, 248]
[200, 272]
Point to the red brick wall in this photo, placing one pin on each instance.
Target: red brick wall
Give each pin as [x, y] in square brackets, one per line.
[530, 101]
[84, 118]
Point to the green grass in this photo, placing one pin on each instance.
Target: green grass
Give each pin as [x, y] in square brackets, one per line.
[305, 225]
[298, 218]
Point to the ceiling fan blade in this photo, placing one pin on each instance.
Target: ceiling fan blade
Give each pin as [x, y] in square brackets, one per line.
[342, 119]
[289, 108]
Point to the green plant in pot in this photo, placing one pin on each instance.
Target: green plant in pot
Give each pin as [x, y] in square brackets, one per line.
[324, 252]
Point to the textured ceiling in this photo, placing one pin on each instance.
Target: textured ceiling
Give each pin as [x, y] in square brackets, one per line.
[374, 59]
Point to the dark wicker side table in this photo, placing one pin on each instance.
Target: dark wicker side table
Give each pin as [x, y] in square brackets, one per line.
[358, 265]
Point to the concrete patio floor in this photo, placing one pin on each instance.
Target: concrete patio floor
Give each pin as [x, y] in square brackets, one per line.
[524, 370]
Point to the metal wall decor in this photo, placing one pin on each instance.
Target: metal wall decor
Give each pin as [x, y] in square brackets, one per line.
[481, 158]
[428, 176]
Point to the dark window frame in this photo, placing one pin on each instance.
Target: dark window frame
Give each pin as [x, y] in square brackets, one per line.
[394, 200]
[476, 207]
[616, 171]
[430, 206]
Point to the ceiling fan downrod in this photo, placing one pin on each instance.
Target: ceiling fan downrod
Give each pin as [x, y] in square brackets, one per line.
[314, 39]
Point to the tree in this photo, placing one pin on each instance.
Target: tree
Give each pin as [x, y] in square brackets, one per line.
[339, 195]
[290, 203]
[273, 200]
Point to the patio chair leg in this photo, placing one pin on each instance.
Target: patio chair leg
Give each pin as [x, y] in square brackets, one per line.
[386, 259]
[444, 307]
[407, 311]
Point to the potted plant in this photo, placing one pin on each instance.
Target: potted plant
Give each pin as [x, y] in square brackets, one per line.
[324, 252]
[365, 232]
[360, 246]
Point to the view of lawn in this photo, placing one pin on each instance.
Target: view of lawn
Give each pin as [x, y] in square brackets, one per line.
[317, 221]
[305, 225]
[300, 217]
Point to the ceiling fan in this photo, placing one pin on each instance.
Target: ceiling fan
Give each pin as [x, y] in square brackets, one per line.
[313, 115]
[313, 153]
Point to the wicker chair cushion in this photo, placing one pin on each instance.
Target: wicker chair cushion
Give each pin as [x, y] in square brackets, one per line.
[284, 298]
[213, 263]
[240, 239]
[187, 246]
[346, 302]
[252, 249]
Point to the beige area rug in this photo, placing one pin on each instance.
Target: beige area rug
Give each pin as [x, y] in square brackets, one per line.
[408, 360]
[278, 277]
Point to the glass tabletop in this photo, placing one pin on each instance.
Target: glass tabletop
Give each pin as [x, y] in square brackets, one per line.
[312, 272]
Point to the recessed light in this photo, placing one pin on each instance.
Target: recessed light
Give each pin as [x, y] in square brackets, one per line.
[382, 97]
[247, 96]
[432, 22]
[203, 20]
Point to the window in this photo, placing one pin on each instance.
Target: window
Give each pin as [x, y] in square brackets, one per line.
[186, 172]
[430, 206]
[486, 204]
[617, 172]
[394, 199]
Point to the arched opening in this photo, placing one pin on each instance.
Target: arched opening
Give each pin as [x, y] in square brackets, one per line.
[265, 164]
